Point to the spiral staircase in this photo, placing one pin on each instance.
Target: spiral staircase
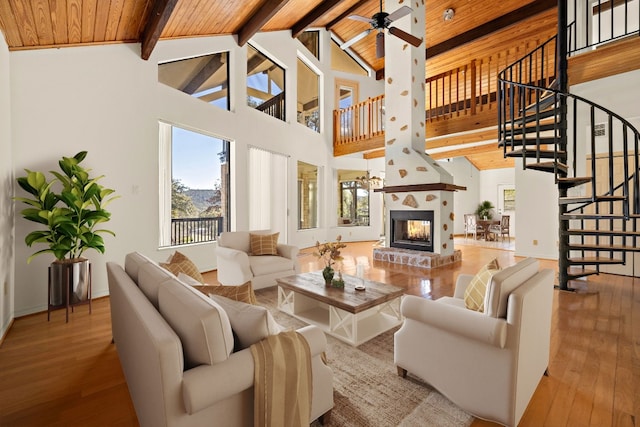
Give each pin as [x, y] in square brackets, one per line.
[592, 152]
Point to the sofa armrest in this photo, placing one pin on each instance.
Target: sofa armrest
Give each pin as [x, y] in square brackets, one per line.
[456, 320]
[233, 266]
[288, 251]
[462, 282]
[316, 339]
[205, 385]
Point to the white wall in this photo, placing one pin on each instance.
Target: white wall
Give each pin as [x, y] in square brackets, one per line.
[537, 213]
[106, 99]
[6, 193]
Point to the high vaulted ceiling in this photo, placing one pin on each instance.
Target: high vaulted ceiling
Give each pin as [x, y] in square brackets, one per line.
[30, 24]
[36, 24]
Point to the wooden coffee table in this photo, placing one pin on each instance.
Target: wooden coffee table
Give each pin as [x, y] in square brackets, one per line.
[348, 314]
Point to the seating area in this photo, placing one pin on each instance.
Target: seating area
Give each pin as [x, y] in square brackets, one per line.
[254, 256]
[187, 358]
[493, 339]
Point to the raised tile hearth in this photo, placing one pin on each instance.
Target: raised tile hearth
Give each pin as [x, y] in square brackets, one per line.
[414, 258]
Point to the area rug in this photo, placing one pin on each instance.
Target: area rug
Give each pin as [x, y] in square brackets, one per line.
[367, 390]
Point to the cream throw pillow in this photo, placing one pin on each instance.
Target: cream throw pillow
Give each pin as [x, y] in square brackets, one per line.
[477, 289]
[251, 323]
[263, 244]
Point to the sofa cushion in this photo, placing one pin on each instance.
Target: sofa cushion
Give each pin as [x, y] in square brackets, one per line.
[180, 263]
[202, 325]
[504, 282]
[475, 293]
[263, 244]
[263, 265]
[150, 277]
[251, 323]
[132, 263]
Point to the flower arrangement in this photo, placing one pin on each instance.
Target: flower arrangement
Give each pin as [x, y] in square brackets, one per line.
[330, 254]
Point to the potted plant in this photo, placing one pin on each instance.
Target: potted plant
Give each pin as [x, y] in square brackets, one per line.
[484, 210]
[69, 208]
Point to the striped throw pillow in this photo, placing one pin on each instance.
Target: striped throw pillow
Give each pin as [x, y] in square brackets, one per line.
[477, 289]
[264, 244]
[180, 263]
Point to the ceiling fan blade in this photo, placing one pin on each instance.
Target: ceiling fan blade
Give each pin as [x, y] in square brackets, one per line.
[355, 39]
[380, 45]
[411, 39]
[360, 18]
[403, 11]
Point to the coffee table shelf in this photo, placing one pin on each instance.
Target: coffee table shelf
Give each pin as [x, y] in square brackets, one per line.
[346, 314]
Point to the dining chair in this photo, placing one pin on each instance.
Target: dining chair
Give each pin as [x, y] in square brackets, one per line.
[502, 228]
[471, 226]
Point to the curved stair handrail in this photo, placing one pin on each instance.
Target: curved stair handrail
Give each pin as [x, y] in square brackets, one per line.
[543, 125]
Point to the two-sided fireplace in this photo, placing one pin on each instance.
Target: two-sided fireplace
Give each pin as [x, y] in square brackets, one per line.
[412, 230]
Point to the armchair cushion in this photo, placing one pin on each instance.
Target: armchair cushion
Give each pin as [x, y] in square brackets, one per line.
[475, 293]
[180, 263]
[202, 325]
[263, 244]
[264, 265]
[251, 323]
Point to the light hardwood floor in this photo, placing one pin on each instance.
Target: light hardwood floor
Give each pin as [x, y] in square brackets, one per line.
[58, 374]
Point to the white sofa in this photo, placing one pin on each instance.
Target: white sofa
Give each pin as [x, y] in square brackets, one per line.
[162, 328]
[237, 266]
[490, 363]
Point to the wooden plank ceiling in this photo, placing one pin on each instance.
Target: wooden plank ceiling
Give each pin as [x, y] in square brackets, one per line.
[36, 24]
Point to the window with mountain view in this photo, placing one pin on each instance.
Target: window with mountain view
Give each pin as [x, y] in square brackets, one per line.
[195, 178]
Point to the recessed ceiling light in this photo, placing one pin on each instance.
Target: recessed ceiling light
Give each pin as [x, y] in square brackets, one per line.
[448, 14]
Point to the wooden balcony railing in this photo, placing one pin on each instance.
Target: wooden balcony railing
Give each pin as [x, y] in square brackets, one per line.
[461, 92]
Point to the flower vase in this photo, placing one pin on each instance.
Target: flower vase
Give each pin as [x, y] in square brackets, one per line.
[328, 273]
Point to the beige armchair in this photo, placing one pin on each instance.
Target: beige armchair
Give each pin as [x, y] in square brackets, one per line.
[488, 363]
[237, 265]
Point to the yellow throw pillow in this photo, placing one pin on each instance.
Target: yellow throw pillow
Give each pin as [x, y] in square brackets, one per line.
[264, 244]
[477, 289]
[180, 263]
[242, 293]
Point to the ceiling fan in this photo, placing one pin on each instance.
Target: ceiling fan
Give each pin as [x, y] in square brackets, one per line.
[380, 21]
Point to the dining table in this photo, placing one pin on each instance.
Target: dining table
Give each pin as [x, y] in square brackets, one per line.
[485, 224]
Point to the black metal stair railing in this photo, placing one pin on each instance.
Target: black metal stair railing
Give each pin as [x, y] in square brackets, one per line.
[596, 166]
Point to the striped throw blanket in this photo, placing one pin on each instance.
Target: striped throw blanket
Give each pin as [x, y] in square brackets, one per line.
[282, 383]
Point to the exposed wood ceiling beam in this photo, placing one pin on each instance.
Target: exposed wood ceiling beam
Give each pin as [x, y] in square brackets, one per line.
[346, 13]
[494, 25]
[205, 72]
[155, 24]
[258, 19]
[311, 17]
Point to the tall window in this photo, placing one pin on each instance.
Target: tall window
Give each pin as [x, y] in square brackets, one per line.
[265, 84]
[354, 199]
[307, 196]
[268, 204]
[308, 97]
[203, 77]
[194, 201]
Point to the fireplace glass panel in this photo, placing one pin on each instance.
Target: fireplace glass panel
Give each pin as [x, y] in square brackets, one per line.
[412, 230]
